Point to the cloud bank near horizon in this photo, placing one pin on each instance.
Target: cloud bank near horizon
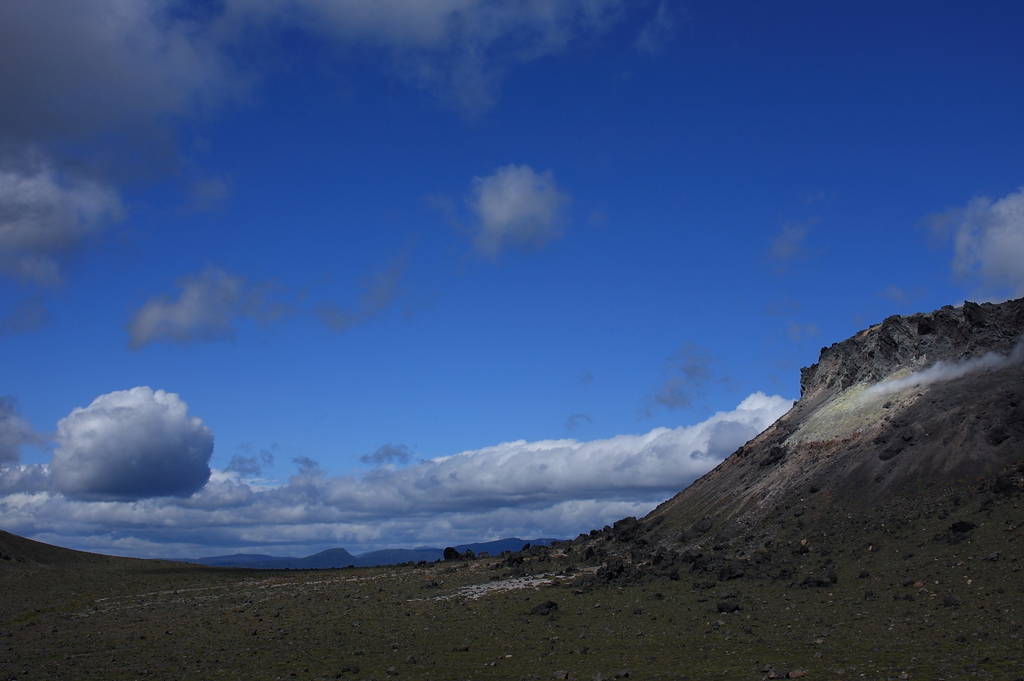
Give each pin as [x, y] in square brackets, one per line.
[548, 487]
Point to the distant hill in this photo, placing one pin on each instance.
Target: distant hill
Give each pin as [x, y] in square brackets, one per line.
[338, 558]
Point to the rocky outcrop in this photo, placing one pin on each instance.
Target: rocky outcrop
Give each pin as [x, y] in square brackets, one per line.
[949, 334]
[903, 406]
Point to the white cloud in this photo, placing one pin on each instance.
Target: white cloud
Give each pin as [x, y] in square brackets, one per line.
[988, 243]
[549, 487]
[43, 218]
[130, 445]
[208, 304]
[518, 207]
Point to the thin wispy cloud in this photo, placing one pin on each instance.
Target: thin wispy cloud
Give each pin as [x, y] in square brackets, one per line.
[206, 309]
[516, 207]
[799, 332]
[250, 466]
[15, 432]
[688, 374]
[27, 315]
[44, 217]
[658, 31]
[379, 292]
[789, 244]
[387, 454]
[575, 421]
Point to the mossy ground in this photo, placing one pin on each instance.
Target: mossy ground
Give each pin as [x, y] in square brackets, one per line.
[123, 619]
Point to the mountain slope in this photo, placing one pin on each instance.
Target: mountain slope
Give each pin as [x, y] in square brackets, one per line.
[903, 406]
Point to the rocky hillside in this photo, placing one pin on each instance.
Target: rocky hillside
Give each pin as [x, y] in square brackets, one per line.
[903, 407]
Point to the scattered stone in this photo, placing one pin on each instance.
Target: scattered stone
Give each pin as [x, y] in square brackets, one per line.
[951, 600]
[545, 608]
[560, 674]
[733, 570]
[728, 606]
[827, 578]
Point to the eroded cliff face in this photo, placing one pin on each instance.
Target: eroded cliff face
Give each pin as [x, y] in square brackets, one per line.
[901, 407]
[907, 344]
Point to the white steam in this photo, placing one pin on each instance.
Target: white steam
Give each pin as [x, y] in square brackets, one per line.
[947, 371]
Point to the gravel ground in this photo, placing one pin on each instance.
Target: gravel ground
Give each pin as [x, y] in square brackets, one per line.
[912, 598]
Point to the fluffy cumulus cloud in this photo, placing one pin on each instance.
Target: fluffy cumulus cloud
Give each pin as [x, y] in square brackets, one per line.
[205, 309]
[42, 218]
[548, 487]
[517, 207]
[988, 243]
[129, 445]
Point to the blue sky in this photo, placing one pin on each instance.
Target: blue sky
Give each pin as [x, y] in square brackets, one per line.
[290, 275]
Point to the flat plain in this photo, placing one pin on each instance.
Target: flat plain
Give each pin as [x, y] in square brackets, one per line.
[912, 598]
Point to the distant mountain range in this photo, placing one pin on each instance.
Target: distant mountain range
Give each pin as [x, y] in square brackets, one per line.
[338, 558]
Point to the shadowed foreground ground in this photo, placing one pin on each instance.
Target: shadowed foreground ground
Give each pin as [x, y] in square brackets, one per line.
[81, 616]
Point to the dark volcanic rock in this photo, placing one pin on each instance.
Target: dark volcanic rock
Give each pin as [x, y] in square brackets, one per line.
[858, 436]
